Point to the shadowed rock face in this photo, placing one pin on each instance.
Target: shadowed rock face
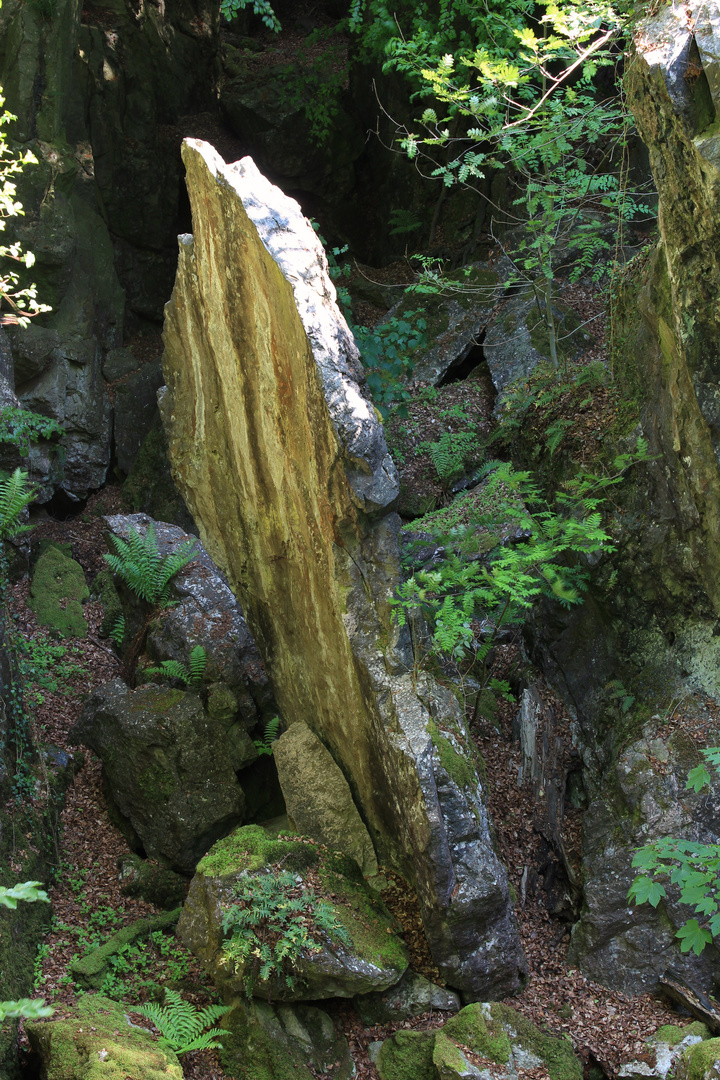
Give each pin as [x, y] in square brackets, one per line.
[277, 450]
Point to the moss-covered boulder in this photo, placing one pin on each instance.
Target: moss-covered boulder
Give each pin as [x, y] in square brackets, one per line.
[700, 1062]
[57, 590]
[266, 1042]
[662, 1051]
[365, 955]
[167, 767]
[99, 1042]
[479, 1034]
[152, 882]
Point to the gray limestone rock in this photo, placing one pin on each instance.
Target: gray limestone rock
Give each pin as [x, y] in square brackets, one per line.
[205, 612]
[135, 411]
[317, 796]
[664, 1048]
[412, 996]
[167, 766]
[620, 945]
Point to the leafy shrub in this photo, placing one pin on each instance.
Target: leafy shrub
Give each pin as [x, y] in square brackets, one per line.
[386, 353]
[277, 920]
[693, 868]
[22, 427]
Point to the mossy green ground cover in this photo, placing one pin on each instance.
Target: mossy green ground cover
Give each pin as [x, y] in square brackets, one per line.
[367, 922]
[57, 591]
[99, 1042]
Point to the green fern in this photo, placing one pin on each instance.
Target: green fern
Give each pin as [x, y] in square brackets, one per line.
[137, 561]
[264, 745]
[118, 631]
[14, 497]
[173, 669]
[450, 452]
[182, 1026]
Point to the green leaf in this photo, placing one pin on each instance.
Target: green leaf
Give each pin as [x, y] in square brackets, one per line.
[646, 891]
[693, 937]
[698, 778]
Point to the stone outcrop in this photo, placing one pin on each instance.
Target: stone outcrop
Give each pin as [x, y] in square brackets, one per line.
[365, 954]
[317, 796]
[204, 611]
[276, 448]
[99, 95]
[643, 798]
[650, 622]
[167, 766]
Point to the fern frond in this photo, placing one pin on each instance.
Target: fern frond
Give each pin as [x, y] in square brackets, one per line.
[138, 562]
[198, 660]
[181, 1025]
[170, 669]
[14, 497]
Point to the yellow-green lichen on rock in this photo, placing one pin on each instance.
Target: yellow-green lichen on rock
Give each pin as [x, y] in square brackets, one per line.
[99, 1043]
[276, 447]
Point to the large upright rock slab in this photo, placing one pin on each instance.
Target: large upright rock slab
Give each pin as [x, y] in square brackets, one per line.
[278, 453]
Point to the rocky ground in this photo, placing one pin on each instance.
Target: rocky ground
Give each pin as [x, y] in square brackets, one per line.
[605, 1028]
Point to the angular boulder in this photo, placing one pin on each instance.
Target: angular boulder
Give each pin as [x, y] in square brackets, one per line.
[167, 767]
[412, 996]
[644, 798]
[282, 1041]
[203, 611]
[57, 590]
[276, 447]
[369, 957]
[317, 796]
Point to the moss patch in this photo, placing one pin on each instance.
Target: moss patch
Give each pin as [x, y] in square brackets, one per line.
[104, 589]
[672, 1034]
[99, 1042]
[56, 594]
[476, 1027]
[557, 1054]
[697, 1060]
[251, 849]
[407, 1056]
[458, 767]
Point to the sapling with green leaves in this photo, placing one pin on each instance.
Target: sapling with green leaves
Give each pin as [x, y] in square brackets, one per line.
[24, 1008]
[509, 550]
[692, 870]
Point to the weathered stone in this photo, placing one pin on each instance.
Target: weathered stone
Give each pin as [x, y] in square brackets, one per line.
[151, 882]
[149, 486]
[412, 996]
[168, 767]
[204, 612]
[135, 411]
[618, 944]
[317, 796]
[700, 1062]
[99, 1041]
[662, 1052]
[493, 1032]
[282, 1041]
[118, 363]
[39, 459]
[57, 590]
[372, 958]
[295, 512]
[517, 338]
